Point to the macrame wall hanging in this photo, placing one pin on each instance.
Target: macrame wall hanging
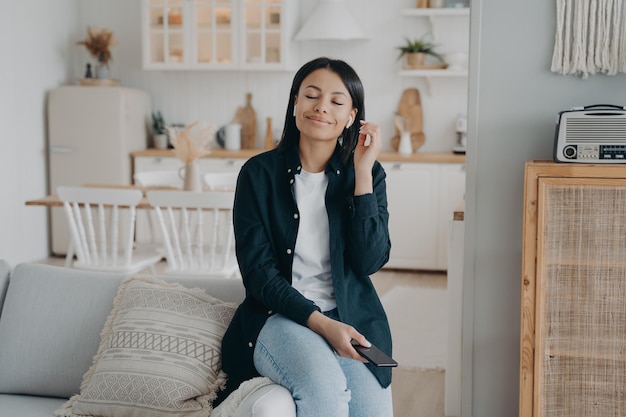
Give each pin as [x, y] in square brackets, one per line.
[590, 37]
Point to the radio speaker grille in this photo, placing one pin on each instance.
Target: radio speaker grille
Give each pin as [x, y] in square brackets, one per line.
[595, 129]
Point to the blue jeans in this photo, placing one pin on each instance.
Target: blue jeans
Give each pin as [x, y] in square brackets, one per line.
[322, 383]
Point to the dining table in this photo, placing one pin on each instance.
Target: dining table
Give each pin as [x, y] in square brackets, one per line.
[52, 200]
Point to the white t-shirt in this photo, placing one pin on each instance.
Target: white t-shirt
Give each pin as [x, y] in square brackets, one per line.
[311, 274]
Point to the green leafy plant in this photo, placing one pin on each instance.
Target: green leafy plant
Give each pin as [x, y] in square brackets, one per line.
[158, 123]
[419, 45]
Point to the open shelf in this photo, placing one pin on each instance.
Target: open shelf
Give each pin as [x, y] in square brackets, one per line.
[433, 73]
[444, 11]
[433, 13]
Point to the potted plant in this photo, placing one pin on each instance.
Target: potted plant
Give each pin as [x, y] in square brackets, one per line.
[99, 42]
[416, 51]
[159, 133]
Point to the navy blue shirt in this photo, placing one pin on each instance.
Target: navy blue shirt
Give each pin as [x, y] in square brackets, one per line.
[266, 220]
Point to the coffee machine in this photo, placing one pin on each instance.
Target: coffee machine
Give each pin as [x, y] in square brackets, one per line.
[461, 134]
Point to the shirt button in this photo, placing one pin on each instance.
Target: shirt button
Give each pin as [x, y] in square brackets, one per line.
[338, 172]
[289, 170]
[295, 216]
[270, 312]
[250, 344]
[299, 167]
[288, 251]
[291, 181]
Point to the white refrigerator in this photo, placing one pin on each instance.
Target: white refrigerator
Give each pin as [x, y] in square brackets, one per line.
[91, 133]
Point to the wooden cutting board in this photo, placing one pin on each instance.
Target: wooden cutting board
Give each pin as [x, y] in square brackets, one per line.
[410, 108]
[246, 117]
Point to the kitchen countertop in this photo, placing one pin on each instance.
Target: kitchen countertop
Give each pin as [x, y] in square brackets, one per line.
[424, 157]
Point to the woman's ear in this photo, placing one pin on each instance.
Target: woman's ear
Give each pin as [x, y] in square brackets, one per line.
[351, 118]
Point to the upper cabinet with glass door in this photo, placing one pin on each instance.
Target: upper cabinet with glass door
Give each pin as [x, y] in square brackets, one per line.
[267, 32]
[188, 34]
[217, 34]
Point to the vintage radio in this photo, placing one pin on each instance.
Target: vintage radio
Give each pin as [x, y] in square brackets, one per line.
[592, 134]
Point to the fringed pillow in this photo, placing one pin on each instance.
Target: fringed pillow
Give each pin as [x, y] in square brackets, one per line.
[159, 355]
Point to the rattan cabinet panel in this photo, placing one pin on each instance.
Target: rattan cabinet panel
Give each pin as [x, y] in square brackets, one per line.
[573, 330]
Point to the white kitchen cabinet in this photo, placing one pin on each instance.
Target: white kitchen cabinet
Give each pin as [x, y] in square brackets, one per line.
[158, 163]
[451, 192]
[218, 34]
[454, 318]
[267, 33]
[421, 200]
[411, 196]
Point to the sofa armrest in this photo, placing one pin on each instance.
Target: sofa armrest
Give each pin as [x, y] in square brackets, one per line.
[5, 272]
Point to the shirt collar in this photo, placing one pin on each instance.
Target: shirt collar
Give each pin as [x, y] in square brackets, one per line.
[294, 165]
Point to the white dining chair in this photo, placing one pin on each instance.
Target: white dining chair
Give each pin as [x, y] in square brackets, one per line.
[102, 229]
[197, 232]
[220, 180]
[147, 229]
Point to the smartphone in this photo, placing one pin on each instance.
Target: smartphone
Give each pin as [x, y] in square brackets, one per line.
[375, 356]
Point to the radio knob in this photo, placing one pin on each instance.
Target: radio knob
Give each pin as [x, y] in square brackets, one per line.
[569, 152]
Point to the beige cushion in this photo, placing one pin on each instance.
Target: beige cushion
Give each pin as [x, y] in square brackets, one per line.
[159, 354]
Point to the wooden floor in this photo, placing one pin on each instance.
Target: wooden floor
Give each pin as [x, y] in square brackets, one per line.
[415, 393]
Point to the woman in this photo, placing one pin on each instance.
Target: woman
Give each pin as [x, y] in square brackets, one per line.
[310, 221]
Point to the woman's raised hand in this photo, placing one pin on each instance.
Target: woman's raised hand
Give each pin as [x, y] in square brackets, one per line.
[367, 149]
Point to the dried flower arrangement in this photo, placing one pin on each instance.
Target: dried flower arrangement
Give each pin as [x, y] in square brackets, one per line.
[192, 142]
[99, 42]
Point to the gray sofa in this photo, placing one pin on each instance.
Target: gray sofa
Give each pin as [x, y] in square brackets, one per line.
[50, 324]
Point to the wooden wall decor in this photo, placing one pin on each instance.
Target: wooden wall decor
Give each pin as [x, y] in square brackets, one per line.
[410, 108]
[246, 117]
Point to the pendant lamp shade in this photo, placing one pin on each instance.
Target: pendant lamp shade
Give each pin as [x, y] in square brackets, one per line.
[331, 20]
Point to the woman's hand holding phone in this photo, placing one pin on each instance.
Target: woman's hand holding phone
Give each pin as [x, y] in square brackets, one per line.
[339, 335]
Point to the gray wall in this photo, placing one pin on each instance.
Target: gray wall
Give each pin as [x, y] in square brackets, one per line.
[514, 101]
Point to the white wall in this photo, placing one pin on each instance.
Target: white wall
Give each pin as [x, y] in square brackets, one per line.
[35, 40]
[213, 96]
[40, 52]
[514, 101]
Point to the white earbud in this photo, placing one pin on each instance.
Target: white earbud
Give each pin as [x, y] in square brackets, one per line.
[294, 111]
[349, 122]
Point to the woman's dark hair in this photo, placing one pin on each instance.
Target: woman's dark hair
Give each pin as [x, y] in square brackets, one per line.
[291, 134]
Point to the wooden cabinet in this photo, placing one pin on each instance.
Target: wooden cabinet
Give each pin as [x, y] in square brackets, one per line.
[218, 34]
[421, 199]
[573, 317]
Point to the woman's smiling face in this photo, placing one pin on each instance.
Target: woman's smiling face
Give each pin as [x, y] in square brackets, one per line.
[323, 106]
